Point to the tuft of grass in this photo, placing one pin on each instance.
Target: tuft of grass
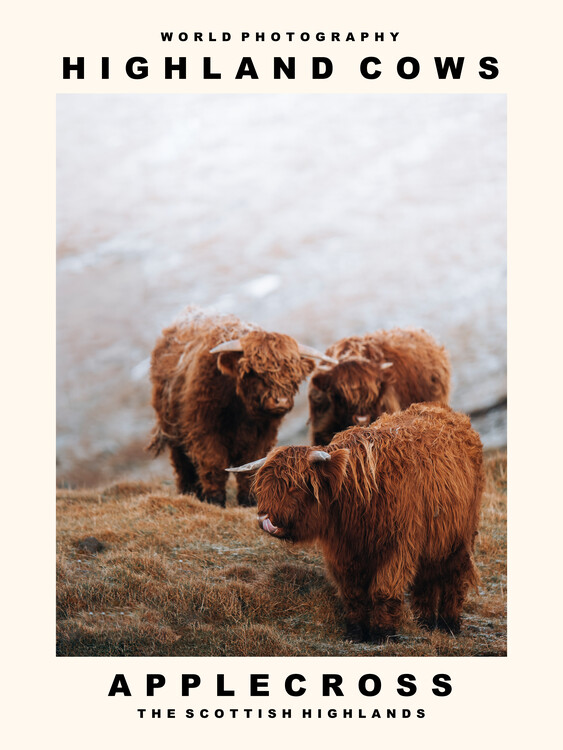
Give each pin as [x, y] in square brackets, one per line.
[173, 576]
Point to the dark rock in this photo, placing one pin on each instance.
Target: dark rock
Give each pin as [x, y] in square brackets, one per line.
[90, 544]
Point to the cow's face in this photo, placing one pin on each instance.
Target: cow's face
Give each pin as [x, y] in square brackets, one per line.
[294, 488]
[267, 372]
[351, 393]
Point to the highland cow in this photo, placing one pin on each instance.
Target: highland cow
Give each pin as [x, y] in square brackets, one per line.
[379, 373]
[220, 390]
[394, 506]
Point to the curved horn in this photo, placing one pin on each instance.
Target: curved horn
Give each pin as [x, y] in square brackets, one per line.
[252, 466]
[315, 457]
[227, 346]
[308, 351]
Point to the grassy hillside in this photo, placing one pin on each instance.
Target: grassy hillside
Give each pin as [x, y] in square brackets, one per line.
[166, 575]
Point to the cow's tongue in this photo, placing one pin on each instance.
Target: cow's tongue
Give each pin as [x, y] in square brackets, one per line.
[268, 526]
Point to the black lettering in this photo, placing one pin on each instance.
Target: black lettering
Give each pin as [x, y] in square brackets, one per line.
[105, 68]
[139, 72]
[154, 681]
[190, 681]
[207, 69]
[489, 65]
[170, 67]
[364, 67]
[443, 67]
[442, 682]
[406, 681]
[362, 685]
[281, 67]
[68, 67]
[246, 68]
[119, 685]
[166, 36]
[221, 686]
[258, 681]
[318, 72]
[289, 689]
[332, 682]
[415, 69]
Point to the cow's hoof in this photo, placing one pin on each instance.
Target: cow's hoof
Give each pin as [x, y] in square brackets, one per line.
[247, 501]
[450, 625]
[217, 499]
[426, 623]
[380, 635]
[356, 633]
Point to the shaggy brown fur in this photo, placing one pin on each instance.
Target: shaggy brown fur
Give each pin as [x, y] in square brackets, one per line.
[395, 506]
[217, 409]
[385, 371]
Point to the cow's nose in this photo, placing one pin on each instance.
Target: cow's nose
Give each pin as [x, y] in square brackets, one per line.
[361, 419]
[284, 401]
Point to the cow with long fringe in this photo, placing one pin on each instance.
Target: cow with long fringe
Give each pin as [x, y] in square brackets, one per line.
[220, 388]
[378, 373]
[394, 506]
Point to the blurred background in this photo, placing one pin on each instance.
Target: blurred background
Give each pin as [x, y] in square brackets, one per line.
[320, 216]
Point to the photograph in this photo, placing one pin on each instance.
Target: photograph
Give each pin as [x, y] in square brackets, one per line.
[281, 363]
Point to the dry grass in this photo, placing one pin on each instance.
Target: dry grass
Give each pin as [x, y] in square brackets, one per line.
[178, 577]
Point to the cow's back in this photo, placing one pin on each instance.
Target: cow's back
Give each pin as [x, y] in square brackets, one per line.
[424, 477]
[183, 370]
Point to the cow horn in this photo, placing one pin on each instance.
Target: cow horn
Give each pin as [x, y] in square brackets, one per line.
[252, 466]
[316, 456]
[227, 346]
[385, 365]
[308, 351]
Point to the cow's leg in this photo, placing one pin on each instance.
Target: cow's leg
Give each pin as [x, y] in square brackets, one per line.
[386, 595]
[386, 616]
[354, 594]
[213, 483]
[457, 573]
[244, 495]
[425, 594]
[184, 468]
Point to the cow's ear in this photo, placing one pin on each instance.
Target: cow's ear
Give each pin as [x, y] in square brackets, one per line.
[327, 476]
[320, 381]
[227, 362]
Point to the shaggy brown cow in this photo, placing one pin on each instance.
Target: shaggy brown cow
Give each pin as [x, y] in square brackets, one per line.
[220, 390]
[394, 506]
[385, 371]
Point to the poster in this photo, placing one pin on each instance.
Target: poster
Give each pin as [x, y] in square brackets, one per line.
[68, 699]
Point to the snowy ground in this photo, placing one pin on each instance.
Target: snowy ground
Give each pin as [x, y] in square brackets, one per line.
[317, 215]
